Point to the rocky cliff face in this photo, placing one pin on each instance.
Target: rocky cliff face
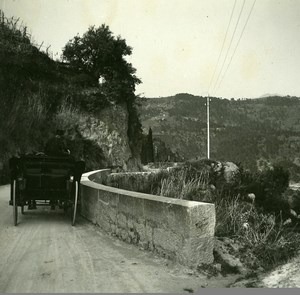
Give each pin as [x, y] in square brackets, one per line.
[101, 139]
[109, 131]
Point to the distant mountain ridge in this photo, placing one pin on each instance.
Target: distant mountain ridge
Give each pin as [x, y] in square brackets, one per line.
[269, 95]
[250, 131]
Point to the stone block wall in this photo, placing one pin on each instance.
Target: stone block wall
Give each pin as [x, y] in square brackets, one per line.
[176, 229]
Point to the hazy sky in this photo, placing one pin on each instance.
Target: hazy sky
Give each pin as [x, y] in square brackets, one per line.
[176, 43]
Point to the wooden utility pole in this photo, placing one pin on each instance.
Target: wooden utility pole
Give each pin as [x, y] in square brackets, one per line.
[208, 142]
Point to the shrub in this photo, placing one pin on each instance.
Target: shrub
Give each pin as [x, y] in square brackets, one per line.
[268, 187]
[180, 185]
[183, 182]
[266, 241]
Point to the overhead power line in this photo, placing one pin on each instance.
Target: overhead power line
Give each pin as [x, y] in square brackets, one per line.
[221, 51]
[237, 43]
[240, 37]
[238, 20]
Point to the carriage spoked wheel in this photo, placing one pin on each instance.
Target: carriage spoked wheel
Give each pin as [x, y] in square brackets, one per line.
[74, 206]
[15, 207]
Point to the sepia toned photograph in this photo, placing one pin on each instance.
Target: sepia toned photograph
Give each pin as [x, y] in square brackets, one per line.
[149, 146]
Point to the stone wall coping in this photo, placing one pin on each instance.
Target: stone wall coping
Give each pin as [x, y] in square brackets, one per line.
[86, 180]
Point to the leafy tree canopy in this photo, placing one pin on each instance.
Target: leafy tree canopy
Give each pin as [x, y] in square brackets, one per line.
[101, 55]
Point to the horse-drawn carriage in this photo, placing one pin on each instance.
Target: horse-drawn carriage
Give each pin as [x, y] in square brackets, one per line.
[45, 180]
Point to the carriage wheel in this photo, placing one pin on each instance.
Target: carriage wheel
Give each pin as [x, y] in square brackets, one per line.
[75, 203]
[15, 207]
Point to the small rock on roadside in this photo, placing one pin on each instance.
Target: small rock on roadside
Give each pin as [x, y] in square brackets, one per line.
[247, 283]
[229, 262]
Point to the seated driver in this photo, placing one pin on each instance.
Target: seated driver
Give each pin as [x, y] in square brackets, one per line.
[56, 146]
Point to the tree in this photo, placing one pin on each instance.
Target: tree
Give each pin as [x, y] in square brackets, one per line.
[147, 153]
[150, 146]
[101, 55]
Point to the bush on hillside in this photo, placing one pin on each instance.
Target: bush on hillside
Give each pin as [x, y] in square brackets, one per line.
[206, 180]
[264, 238]
[268, 187]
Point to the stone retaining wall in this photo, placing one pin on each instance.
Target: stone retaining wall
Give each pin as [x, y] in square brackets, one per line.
[176, 229]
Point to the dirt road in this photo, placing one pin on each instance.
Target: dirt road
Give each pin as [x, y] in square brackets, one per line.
[44, 253]
[285, 276]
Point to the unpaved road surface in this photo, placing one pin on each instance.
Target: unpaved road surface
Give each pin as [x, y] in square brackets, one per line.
[285, 276]
[44, 253]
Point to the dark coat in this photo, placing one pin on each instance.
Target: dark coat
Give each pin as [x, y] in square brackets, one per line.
[56, 147]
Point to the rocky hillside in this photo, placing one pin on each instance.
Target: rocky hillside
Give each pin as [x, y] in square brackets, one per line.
[255, 132]
[102, 138]
[39, 95]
